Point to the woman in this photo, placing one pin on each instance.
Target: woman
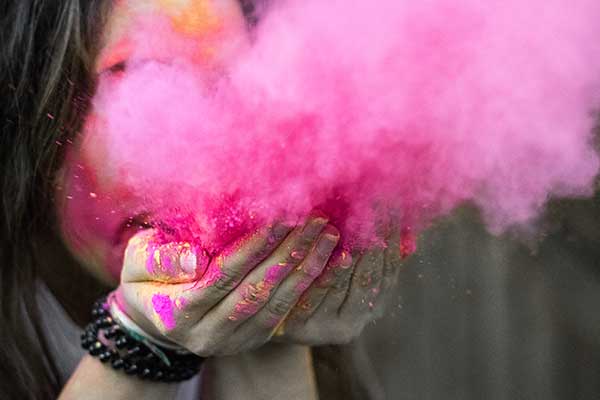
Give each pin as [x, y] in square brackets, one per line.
[52, 56]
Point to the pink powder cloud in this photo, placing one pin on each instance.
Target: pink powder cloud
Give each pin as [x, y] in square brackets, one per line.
[389, 112]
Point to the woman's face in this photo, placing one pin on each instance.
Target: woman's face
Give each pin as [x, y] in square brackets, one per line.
[97, 215]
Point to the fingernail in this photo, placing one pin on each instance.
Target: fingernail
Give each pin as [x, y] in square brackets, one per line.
[328, 241]
[314, 227]
[345, 259]
[298, 254]
[331, 232]
[188, 260]
[317, 214]
[279, 231]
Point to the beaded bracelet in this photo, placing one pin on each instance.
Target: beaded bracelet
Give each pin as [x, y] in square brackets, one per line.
[105, 339]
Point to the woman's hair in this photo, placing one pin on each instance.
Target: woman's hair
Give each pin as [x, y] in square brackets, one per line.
[47, 51]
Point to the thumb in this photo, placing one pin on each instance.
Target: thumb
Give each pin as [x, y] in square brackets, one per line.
[148, 259]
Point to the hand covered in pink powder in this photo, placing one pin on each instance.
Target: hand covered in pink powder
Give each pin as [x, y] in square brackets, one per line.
[349, 294]
[230, 303]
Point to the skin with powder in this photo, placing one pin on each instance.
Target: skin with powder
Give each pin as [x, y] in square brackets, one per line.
[281, 282]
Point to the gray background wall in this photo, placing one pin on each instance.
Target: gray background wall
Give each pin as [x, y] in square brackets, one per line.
[481, 317]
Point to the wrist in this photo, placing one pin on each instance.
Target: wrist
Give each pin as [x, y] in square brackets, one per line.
[133, 353]
[133, 329]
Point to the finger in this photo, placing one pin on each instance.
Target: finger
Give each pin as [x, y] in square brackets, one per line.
[146, 259]
[336, 295]
[287, 294]
[227, 270]
[310, 300]
[185, 295]
[365, 284]
[392, 263]
[257, 287]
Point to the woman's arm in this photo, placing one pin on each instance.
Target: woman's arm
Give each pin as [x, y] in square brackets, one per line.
[273, 371]
[94, 380]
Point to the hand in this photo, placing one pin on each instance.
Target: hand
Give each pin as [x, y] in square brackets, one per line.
[233, 304]
[349, 294]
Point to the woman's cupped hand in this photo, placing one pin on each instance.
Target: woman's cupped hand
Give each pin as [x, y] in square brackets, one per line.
[283, 281]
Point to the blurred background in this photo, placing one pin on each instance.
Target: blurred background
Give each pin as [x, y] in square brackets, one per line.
[484, 317]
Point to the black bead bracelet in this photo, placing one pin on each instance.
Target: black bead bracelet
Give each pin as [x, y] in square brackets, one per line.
[105, 339]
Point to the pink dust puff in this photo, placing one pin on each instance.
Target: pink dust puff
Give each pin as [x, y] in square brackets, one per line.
[379, 115]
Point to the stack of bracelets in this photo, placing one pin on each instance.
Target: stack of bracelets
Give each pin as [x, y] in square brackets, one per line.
[124, 350]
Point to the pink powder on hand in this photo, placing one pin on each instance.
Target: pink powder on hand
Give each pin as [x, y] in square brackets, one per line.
[389, 113]
[275, 274]
[163, 307]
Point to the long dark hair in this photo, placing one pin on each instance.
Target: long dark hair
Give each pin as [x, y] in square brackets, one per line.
[47, 51]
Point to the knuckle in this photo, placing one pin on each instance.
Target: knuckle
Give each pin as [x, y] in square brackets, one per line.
[310, 271]
[253, 298]
[227, 281]
[341, 283]
[313, 268]
[279, 306]
[303, 245]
